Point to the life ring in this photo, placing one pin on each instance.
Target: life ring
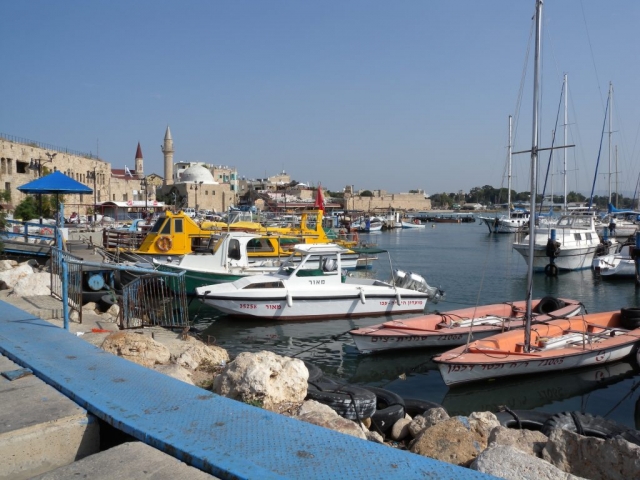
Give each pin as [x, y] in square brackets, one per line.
[164, 244]
[551, 270]
[46, 231]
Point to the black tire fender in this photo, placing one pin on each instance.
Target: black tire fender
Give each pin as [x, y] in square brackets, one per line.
[348, 401]
[523, 419]
[630, 317]
[583, 424]
[389, 408]
[549, 304]
[551, 270]
[416, 406]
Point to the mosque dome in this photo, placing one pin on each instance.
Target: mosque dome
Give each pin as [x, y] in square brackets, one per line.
[197, 174]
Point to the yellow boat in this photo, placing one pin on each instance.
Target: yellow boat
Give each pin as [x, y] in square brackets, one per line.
[177, 234]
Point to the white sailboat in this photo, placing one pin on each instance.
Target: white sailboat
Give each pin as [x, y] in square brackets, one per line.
[560, 344]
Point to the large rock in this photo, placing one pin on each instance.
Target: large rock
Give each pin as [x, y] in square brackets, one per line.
[428, 419]
[324, 416]
[198, 354]
[11, 277]
[591, 457]
[7, 265]
[527, 441]
[483, 423]
[452, 441]
[400, 429]
[34, 284]
[140, 349]
[507, 462]
[263, 377]
[175, 371]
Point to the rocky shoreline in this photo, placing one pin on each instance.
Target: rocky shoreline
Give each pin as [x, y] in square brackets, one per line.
[280, 384]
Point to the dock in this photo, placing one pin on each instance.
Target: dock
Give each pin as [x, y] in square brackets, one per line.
[213, 434]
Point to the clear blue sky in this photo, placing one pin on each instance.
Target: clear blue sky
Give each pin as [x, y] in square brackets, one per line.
[390, 95]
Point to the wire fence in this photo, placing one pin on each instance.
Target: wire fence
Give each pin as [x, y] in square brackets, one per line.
[46, 146]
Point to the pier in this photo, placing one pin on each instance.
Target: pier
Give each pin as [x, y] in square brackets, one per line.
[216, 435]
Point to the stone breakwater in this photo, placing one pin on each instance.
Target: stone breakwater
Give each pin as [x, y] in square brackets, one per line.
[280, 384]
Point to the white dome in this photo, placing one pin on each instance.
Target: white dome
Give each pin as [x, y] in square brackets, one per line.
[197, 174]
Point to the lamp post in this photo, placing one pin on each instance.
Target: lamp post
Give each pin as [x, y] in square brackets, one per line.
[92, 175]
[197, 184]
[36, 164]
[143, 184]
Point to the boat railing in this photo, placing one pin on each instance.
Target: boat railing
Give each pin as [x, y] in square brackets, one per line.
[113, 238]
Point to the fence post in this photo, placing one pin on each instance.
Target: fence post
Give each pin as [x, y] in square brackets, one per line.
[65, 293]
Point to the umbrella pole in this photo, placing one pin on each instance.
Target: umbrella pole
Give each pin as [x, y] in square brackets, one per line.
[40, 207]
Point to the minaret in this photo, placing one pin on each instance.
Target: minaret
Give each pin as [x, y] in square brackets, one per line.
[139, 162]
[167, 149]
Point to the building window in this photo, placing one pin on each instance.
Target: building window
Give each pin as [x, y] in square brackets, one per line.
[124, 197]
[3, 162]
[214, 192]
[206, 192]
[9, 167]
[114, 197]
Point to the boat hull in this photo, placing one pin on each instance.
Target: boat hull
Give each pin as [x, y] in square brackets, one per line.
[568, 259]
[278, 307]
[564, 344]
[432, 331]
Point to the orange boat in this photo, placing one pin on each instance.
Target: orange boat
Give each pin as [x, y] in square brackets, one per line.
[449, 329]
[593, 339]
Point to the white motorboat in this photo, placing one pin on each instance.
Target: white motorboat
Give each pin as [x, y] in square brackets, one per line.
[620, 264]
[295, 293]
[515, 221]
[415, 223]
[576, 244]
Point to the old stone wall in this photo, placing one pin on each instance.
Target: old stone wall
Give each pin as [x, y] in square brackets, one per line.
[398, 201]
[15, 171]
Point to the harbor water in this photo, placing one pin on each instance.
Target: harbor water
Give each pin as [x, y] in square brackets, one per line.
[474, 268]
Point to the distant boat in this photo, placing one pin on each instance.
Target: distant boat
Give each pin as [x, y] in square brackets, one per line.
[415, 223]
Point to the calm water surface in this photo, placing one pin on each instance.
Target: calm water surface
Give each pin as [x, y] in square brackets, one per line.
[473, 267]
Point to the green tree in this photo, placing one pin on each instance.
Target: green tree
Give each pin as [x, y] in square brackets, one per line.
[366, 193]
[27, 209]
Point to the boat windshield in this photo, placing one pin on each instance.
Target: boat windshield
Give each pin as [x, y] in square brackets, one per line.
[157, 225]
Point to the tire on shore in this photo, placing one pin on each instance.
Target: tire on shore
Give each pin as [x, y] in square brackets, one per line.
[348, 401]
[523, 419]
[389, 409]
[416, 406]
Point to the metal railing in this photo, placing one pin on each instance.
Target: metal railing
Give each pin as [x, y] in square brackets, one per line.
[155, 299]
[46, 146]
[73, 276]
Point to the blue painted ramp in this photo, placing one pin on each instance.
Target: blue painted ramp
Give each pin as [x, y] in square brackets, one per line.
[223, 437]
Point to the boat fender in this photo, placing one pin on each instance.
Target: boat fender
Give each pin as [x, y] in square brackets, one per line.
[552, 249]
[362, 297]
[584, 424]
[398, 298]
[289, 299]
[630, 317]
[549, 304]
[551, 270]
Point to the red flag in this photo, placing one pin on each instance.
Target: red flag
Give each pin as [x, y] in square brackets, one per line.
[319, 199]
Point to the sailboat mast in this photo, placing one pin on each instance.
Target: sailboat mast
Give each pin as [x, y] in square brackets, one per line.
[534, 179]
[509, 148]
[610, 132]
[564, 168]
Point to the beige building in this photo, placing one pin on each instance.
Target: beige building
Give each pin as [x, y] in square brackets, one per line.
[22, 161]
[397, 201]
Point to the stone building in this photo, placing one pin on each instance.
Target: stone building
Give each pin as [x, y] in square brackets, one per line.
[23, 160]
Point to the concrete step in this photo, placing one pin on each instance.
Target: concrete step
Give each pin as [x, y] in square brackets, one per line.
[40, 428]
[129, 461]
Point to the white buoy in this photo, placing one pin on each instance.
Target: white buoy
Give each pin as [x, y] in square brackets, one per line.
[289, 299]
[362, 299]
